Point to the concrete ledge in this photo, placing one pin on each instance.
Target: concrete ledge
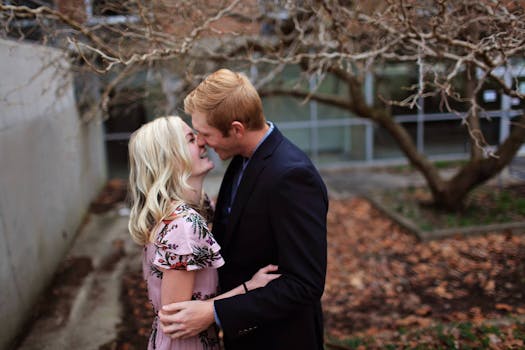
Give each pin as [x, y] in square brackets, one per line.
[422, 235]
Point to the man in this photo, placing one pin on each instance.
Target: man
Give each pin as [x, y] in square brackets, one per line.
[271, 209]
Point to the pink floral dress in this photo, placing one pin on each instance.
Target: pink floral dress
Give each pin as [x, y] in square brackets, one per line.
[183, 242]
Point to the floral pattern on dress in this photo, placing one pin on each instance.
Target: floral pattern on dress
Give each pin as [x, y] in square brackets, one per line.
[200, 296]
[210, 341]
[196, 250]
[199, 226]
[155, 271]
[154, 330]
[183, 242]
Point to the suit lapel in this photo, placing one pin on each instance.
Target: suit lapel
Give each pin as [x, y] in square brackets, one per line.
[254, 168]
[223, 199]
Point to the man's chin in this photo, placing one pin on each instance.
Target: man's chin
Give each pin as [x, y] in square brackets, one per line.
[224, 156]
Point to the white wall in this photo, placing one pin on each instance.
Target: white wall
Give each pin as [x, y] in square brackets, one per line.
[51, 164]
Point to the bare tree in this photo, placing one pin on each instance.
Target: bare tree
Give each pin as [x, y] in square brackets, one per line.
[476, 41]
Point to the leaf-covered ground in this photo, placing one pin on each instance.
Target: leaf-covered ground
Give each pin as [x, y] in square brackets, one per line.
[386, 290]
[383, 285]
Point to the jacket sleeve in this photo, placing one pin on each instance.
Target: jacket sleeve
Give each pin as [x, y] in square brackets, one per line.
[297, 211]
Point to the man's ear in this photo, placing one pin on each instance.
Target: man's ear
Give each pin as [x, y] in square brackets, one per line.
[238, 129]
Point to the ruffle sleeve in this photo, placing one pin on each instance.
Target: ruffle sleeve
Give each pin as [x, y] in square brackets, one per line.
[185, 243]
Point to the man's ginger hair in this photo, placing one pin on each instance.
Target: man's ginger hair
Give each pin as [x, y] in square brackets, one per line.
[224, 97]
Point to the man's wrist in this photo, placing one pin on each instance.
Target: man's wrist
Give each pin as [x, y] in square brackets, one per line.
[249, 286]
[215, 316]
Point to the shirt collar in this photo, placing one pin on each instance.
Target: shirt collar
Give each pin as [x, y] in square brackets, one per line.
[268, 132]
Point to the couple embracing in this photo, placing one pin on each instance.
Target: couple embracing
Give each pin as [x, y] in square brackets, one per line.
[255, 268]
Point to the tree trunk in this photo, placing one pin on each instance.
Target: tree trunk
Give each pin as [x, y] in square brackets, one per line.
[474, 128]
[451, 195]
[447, 195]
[476, 172]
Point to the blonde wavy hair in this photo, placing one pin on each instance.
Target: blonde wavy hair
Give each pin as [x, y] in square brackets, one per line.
[160, 166]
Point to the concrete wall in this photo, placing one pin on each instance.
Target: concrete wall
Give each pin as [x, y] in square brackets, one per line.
[52, 165]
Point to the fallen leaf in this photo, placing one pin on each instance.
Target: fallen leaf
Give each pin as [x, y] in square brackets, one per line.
[504, 307]
[413, 320]
[424, 310]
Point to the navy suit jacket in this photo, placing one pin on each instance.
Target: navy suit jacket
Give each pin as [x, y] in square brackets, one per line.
[278, 217]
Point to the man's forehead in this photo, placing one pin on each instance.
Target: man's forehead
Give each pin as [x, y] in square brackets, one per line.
[197, 120]
[200, 125]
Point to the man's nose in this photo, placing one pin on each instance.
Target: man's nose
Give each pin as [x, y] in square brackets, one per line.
[200, 141]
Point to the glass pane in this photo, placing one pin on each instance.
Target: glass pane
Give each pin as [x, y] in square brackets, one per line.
[489, 98]
[300, 137]
[490, 129]
[341, 144]
[396, 82]
[385, 147]
[445, 137]
[330, 112]
[285, 109]
[520, 86]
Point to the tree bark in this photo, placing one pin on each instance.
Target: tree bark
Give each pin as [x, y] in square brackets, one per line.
[477, 172]
[474, 128]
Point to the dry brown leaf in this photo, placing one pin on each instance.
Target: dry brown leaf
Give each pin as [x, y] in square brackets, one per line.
[413, 320]
[490, 286]
[423, 310]
[356, 281]
[441, 291]
[504, 307]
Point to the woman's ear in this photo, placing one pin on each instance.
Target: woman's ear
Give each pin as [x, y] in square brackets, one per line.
[238, 129]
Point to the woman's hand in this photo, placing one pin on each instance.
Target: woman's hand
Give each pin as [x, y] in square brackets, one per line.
[262, 277]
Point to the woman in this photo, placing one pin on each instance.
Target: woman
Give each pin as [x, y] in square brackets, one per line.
[167, 170]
